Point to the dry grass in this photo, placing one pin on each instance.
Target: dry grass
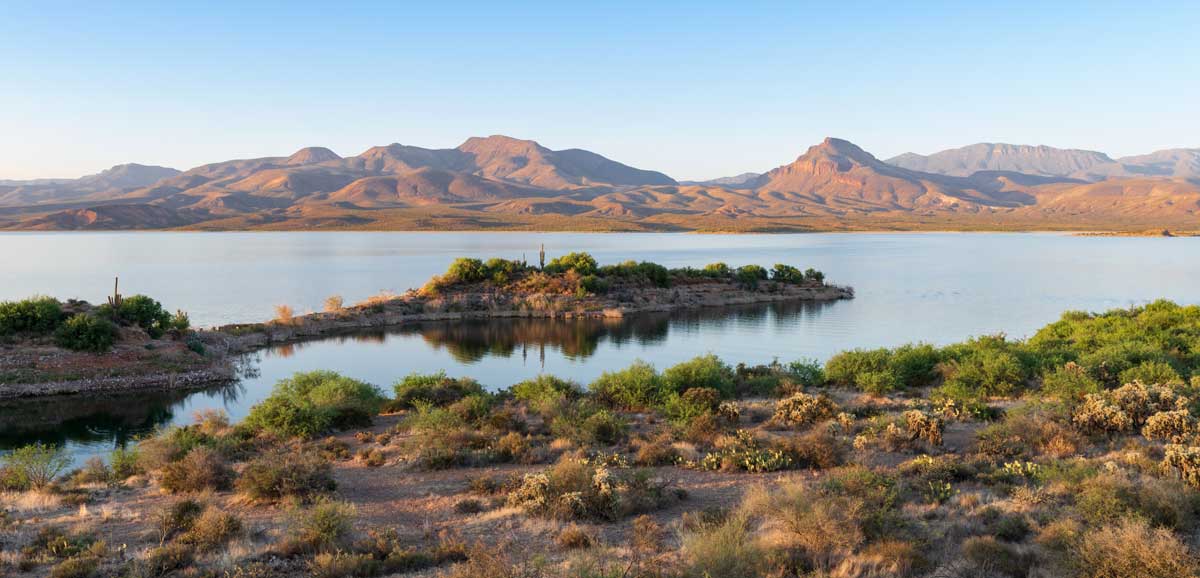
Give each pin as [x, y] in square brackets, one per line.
[284, 315]
[333, 303]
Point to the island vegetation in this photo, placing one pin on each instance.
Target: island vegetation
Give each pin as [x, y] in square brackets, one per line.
[50, 347]
[1075, 452]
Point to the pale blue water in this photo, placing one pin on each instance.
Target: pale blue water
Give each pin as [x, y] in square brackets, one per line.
[936, 287]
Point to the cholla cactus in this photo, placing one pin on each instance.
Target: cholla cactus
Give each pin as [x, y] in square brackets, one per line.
[1185, 461]
[804, 409]
[1173, 426]
[1140, 401]
[921, 425]
[1097, 415]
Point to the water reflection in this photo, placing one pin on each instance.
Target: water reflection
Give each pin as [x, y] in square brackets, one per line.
[108, 420]
[471, 341]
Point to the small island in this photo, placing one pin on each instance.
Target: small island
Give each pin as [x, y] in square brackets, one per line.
[48, 347]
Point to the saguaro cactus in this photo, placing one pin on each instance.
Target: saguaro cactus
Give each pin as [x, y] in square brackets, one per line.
[115, 301]
[542, 257]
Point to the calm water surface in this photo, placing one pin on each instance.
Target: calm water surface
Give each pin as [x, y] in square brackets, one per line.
[935, 287]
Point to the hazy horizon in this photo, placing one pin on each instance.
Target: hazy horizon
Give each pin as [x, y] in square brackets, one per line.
[699, 92]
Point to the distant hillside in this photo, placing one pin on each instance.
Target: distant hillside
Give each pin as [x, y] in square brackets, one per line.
[1053, 162]
[499, 182]
[1033, 160]
[105, 184]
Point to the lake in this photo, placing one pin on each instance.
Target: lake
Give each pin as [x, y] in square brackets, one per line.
[934, 287]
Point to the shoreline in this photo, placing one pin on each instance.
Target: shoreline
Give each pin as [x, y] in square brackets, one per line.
[225, 343]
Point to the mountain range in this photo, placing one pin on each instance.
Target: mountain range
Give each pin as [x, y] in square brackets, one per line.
[503, 182]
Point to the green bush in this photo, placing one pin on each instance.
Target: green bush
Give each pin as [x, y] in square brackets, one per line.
[814, 276]
[501, 271]
[717, 270]
[142, 311]
[692, 403]
[707, 371]
[983, 367]
[434, 388]
[37, 315]
[581, 263]
[34, 466]
[750, 275]
[83, 332]
[1069, 382]
[806, 372]
[466, 270]
[866, 369]
[1106, 344]
[545, 393]
[638, 386]
[308, 404]
[1159, 372]
[786, 274]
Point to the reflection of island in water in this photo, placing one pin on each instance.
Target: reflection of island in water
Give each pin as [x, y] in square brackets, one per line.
[470, 341]
[115, 418]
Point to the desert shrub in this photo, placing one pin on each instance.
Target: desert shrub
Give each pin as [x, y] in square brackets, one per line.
[1184, 461]
[36, 315]
[334, 303]
[308, 404]
[201, 469]
[990, 557]
[786, 274]
[707, 371]
[1125, 408]
[466, 270]
[581, 263]
[176, 519]
[1158, 372]
[816, 449]
[1098, 415]
[283, 475]
[168, 445]
[34, 466]
[750, 275]
[546, 393]
[573, 537]
[164, 560]
[821, 528]
[77, 567]
[1029, 430]
[806, 372]
[584, 423]
[802, 409]
[435, 388]
[848, 369]
[1069, 382]
[574, 489]
[284, 314]
[745, 452]
[726, 548]
[83, 332]
[923, 426]
[324, 526]
[1173, 426]
[52, 543]
[1110, 497]
[1132, 548]
[638, 386]
[343, 565]
[717, 270]
[655, 452]
[142, 311]
[982, 367]
[211, 530]
[692, 403]
[1106, 344]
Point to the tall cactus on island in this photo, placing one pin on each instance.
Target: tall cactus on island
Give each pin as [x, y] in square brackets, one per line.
[115, 301]
[542, 257]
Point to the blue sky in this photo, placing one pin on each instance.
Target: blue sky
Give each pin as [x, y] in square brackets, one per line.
[695, 89]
